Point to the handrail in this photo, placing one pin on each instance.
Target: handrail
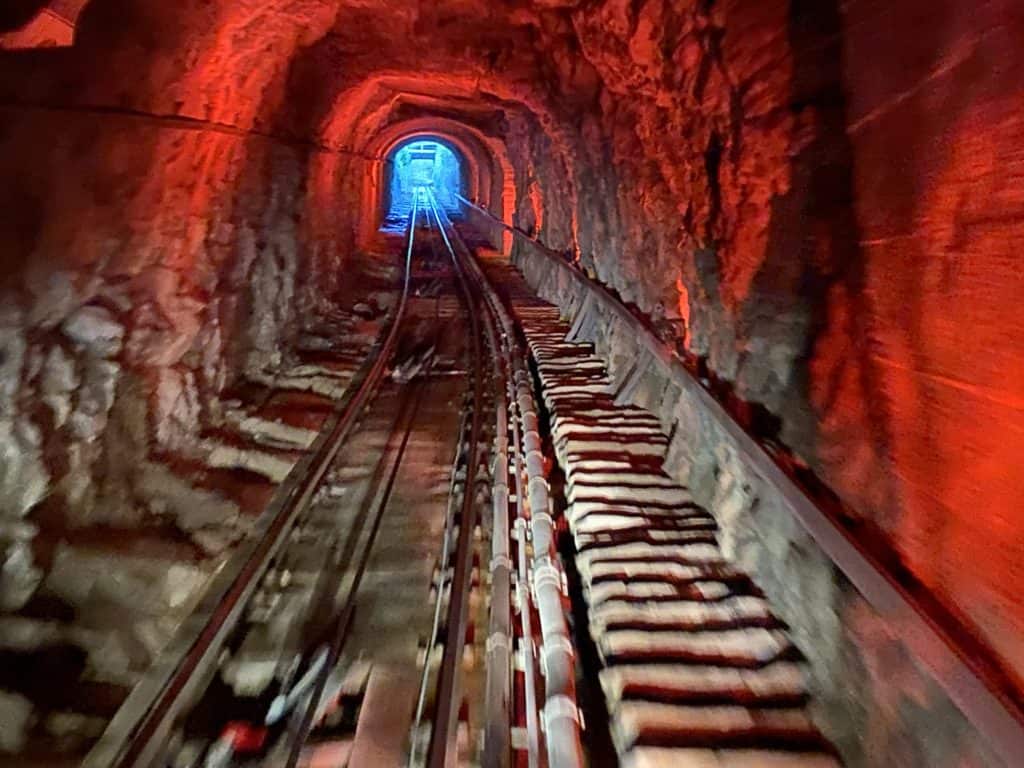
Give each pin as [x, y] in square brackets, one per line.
[998, 719]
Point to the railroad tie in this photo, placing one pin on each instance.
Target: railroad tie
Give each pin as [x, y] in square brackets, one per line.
[698, 672]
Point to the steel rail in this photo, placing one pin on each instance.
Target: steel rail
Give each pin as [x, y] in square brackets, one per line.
[344, 617]
[442, 585]
[444, 727]
[442, 582]
[404, 423]
[342, 621]
[137, 732]
[965, 679]
[562, 722]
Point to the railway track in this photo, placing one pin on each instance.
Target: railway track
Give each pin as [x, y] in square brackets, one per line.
[319, 646]
[694, 668]
[249, 677]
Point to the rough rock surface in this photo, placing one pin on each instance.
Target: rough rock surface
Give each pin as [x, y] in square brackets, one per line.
[15, 719]
[874, 697]
[148, 598]
[821, 200]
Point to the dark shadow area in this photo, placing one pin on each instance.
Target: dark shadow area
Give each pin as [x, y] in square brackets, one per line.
[14, 14]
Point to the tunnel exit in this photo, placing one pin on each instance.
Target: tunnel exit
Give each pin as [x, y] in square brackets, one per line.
[422, 164]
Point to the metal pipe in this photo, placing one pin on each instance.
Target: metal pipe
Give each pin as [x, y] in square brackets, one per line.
[525, 618]
[562, 725]
[561, 716]
[443, 734]
[533, 728]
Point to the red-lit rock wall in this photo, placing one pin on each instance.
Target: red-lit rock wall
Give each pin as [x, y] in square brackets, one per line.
[937, 312]
[47, 30]
[38, 23]
[830, 196]
[823, 199]
[155, 247]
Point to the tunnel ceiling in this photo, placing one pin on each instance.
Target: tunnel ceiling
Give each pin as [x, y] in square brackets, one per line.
[727, 166]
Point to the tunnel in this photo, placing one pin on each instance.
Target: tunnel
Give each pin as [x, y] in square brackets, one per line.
[422, 162]
[538, 382]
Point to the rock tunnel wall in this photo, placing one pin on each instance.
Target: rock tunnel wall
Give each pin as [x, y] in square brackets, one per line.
[129, 301]
[151, 260]
[817, 201]
[873, 694]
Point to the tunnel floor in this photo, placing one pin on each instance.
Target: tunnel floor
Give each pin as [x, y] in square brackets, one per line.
[692, 663]
[680, 657]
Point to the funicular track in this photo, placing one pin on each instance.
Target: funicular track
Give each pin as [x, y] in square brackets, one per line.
[694, 666]
[147, 730]
[682, 663]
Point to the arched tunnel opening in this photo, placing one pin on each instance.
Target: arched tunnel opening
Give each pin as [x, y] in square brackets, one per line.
[545, 382]
[421, 164]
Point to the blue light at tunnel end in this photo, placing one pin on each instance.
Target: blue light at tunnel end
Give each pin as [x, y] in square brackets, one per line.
[423, 162]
